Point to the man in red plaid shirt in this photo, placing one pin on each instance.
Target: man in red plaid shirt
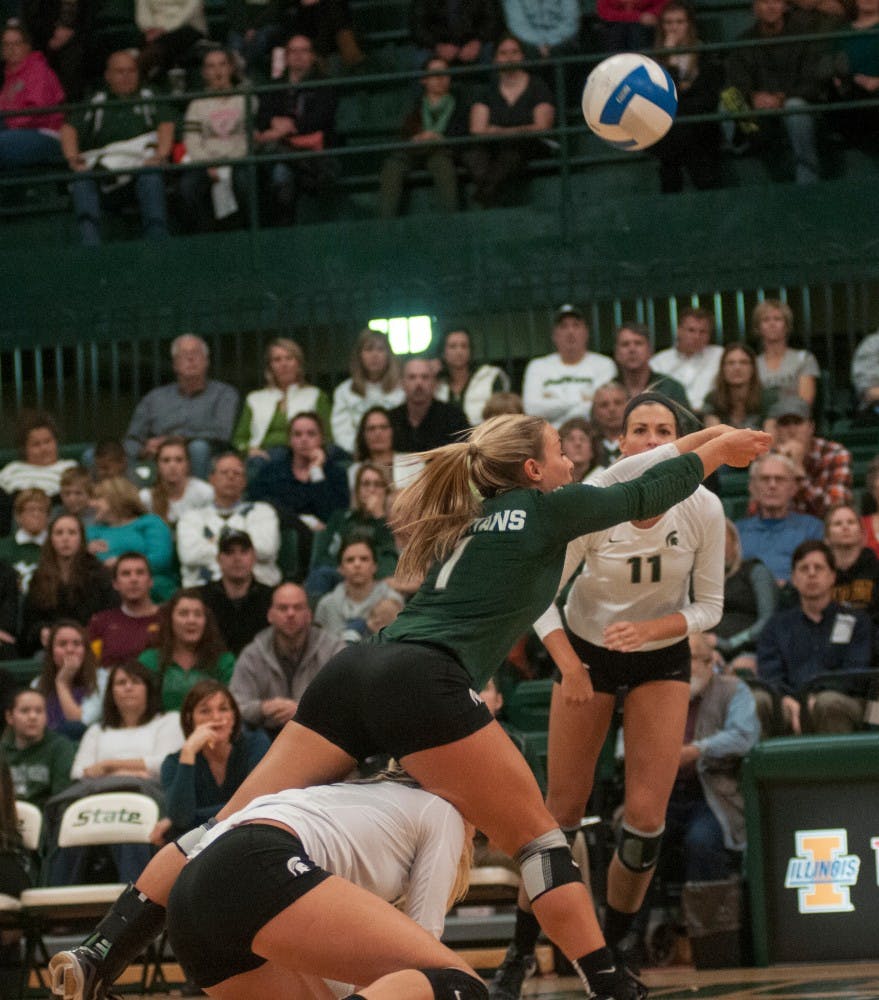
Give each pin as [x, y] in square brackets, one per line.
[827, 467]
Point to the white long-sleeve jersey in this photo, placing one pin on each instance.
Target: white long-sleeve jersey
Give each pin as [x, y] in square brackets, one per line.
[393, 840]
[637, 574]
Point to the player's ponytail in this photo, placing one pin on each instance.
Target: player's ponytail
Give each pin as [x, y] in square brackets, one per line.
[433, 513]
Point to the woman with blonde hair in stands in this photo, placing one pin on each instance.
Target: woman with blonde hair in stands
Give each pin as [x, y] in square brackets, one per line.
[175, 490]
[374, 381]
[487, 524]
[261, 431]
[123, 525]
[788, 371]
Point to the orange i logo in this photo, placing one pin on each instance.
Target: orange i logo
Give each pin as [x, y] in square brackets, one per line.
[822, 872]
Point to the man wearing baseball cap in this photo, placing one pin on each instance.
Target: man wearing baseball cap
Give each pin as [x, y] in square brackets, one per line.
[561, 385]
[826, 478]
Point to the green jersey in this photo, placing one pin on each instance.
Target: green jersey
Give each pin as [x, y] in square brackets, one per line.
[505, 570]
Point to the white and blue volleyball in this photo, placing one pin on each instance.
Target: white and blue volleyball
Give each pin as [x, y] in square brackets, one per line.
[629, 101]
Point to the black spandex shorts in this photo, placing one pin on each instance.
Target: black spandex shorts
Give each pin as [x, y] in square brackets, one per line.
[229, 892]
[612, 671]
[393, 697]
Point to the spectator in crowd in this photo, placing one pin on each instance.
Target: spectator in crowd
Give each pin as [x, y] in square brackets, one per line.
[545, 30]
[39, 760]
[462, 382]
[463, 34]
[779, 76]
[112, 136]
[632, 353]
[328, 24]
[217, 755]
[110, 459]
[69, 582]
[383, 613]
[692, 149]
[750, 598]
[706, 810]
[238, 600]
[195, 407]
[22, 549]
[189, 648]
[343, 612]
[422, 421]
[57, 28]
[132, 739]
[121, 634]
[561, 385]
[9, 608]
[76, 494]
[865, 377]
[738, 397]
[170, 29]
[817, 636]
[776, 529]
[297, 119]
[306, 486]
[122, 525]
[28, 82]
[275, 668]
[857, 567]
[375, 443]
[366, 517]
[790, 373]
[253, 28]
[263, 428]
[374, 381]
[439, 113]
[580, 446]
[16, 865]
[856, 77]
[870, 518]
[516, 104]
[175, 491]
[198, 531]
[694, 361]
[38, 468]
[133, 736]
[68, 680]
[826, 465]
[608, 406]
[502, 402]
[627, 27]
[215, 128]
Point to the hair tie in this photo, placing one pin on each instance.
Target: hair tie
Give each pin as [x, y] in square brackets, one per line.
[472, 450]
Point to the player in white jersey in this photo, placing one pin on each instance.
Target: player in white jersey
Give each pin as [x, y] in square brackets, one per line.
[628, 614]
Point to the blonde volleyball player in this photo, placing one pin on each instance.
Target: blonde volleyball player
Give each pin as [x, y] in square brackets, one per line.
[488, 521]
[256, 911]
[628, 616]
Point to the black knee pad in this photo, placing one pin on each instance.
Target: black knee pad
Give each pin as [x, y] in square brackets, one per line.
[639, 851]
[455, 984]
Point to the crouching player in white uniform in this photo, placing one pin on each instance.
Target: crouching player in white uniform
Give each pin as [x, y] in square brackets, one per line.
[297, 888]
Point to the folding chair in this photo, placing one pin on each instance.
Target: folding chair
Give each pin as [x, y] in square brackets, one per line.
[106, 818]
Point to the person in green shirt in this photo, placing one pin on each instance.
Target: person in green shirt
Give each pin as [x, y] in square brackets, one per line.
[189, 649]
[487, 524]
[39, 760]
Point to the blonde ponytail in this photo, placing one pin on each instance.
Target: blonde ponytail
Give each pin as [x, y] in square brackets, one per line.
[437, 508]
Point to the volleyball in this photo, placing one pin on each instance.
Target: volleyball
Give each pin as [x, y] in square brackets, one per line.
[629, 101]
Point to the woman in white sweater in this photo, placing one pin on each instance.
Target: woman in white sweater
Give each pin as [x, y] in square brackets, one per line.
[262, 431]
[375, 381]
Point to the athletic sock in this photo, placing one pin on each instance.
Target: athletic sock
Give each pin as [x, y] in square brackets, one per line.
[128, 928]
[592, 967]
[527, 931]
[616, 924]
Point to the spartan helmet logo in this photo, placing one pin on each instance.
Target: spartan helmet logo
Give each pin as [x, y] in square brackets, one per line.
[671, 538]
